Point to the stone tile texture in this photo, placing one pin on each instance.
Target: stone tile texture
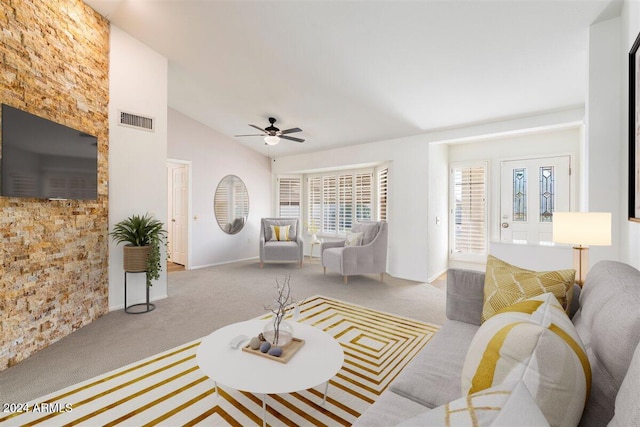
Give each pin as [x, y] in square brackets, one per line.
[53, 254]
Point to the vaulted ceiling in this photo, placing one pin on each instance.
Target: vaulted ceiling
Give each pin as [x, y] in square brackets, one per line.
[352, 72]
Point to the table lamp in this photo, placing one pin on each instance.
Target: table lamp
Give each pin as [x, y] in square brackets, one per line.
[582, 229]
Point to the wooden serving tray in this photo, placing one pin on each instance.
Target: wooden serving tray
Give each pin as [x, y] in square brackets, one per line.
[287, 352]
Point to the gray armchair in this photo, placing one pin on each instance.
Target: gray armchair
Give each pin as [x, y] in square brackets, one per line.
[368, 258]
[281, 251]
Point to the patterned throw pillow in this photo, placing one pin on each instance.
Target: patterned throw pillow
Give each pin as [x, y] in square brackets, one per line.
[280, 233]
[506, 284]
[502, 405]
[535, 342]
[353, 239]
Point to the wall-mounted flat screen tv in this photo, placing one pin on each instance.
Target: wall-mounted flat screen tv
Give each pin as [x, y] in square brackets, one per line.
[46, 160]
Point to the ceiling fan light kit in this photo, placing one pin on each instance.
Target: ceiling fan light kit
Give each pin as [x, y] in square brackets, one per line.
[273, 135]
[271, 140]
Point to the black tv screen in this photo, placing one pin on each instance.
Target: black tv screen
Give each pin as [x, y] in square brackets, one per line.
[46, 160]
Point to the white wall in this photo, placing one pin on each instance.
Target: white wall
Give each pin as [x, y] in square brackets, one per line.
[213, 156]
[438, 222]
[604, 144]
[629, 231]
[137, 158]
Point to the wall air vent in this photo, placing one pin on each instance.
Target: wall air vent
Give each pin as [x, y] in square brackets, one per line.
[137, 121]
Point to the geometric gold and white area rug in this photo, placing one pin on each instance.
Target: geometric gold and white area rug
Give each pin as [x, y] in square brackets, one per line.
[169, 388]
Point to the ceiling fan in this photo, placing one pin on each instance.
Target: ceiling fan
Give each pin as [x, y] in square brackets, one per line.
[273, 135]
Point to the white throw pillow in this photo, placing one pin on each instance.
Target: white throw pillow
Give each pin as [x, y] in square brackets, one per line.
[503, 405]
[279, 233]
[353, 239]
[533, 341]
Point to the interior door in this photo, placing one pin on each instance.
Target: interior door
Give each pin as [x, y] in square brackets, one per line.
[178, 215]
[531, 190]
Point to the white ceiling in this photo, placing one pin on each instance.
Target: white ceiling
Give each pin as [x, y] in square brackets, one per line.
[351, 72]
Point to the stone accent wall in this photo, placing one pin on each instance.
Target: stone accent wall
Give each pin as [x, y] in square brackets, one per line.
[53, 254]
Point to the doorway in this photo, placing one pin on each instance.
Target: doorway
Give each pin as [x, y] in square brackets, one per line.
[531, 190]
[179, 206]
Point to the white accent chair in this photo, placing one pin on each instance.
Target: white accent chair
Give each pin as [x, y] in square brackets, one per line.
[275, 251]
[369, 258]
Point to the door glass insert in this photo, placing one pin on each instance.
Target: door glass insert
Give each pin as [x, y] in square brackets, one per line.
[547, 193]
[520, 194]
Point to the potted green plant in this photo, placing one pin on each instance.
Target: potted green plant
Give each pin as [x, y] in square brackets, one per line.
[143, 236]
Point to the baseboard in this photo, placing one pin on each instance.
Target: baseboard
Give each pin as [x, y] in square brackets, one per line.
[436, 276]
[222, 263]
[142, 301]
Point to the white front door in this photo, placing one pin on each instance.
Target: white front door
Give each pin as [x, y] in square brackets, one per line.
[178, 178]
[531, 190]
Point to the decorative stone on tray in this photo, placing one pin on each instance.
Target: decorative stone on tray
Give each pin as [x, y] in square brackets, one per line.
[275, 351]
[255, 343]
[265, 346]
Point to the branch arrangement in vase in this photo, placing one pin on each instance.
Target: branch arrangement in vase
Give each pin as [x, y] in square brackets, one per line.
[282, 303]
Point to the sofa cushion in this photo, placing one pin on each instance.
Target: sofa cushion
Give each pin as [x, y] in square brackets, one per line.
[627, 409]
[608, 323]
[353, 239]
[505, 284]
[502, 405]
[388, 410]
[533, 341]
[279, 233]
[268, 222]
[432, 378]
[369, 230]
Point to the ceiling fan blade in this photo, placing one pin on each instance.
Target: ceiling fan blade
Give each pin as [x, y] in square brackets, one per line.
[260, 129]
[255, 134]
[292, 130]
[290, 138]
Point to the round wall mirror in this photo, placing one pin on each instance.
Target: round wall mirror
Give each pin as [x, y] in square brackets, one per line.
[231, 204]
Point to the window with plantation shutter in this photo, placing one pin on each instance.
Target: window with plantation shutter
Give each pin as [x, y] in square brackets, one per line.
[222, 206]
[345, 202]
[329, 204]
[314, 216]
[289, 197]
[364, 196]
[383, 179]
[336, 200]
[469, 211]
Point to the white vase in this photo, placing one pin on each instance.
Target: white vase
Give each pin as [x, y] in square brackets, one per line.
[314, 238]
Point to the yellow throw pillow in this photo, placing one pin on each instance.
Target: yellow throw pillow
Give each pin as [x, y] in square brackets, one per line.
[535, 342]
[506, 284]
[280, 233]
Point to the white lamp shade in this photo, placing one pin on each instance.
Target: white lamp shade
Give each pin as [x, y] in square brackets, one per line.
[582, 228]
[271, 140]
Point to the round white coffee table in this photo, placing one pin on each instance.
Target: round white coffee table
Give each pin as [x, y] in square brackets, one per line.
[316, 362]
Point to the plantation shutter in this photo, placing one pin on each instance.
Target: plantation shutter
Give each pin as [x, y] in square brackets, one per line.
[289, 197]
[364, 202]
[240, 200]
[345, 202]
[383, 182]
[469, 210]
[221, 207]
[315, 203]
[329, 201]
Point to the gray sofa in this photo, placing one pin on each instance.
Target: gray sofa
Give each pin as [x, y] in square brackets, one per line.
[607, 318]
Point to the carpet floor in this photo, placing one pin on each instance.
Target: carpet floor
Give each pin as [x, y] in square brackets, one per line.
[201, 301]
[170, 389]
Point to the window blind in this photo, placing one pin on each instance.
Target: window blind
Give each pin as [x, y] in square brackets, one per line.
[289, 197]
[364, 196]
[314, 217]
[329, 204]
[469, 188]
[383, 180]
[345, 202]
